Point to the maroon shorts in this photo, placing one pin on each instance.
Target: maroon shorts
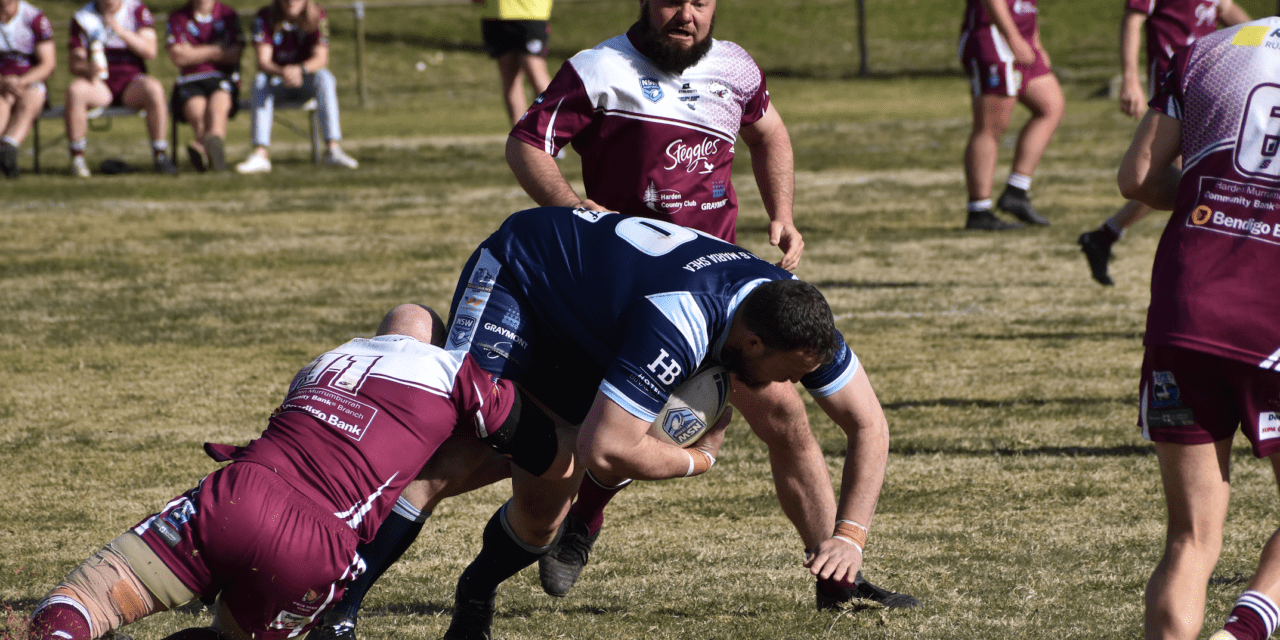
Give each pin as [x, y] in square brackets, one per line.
[1190, 397]
[119, 80]
[989, 62]
[277, 558]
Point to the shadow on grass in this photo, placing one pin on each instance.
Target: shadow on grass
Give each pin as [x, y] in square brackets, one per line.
[970, 403]
[1124, 450]
[433, 609]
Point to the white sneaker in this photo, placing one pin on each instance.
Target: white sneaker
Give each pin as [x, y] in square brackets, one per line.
[256, 163]
[79, 168]
[336, 158]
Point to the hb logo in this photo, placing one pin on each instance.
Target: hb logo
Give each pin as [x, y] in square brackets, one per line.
[670, 368]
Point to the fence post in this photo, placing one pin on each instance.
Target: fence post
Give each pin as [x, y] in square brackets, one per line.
[358, 8]
[862, 38]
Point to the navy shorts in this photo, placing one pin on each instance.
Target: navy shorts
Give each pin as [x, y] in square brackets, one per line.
[491, 319]
[1191, 397]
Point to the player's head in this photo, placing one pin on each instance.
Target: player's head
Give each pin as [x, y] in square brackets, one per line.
[675, 34]
[307, 12]
[416, 321]
[785, 330]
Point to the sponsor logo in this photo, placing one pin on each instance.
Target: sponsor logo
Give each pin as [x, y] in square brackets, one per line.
[693, 157]
[1207, 13]
[1268, 425]
[651, 89]
[533, 46]
[718, 90]
[682, 425]
[506, 333]
[193, 29]
[707, 206]
[688, 95]
[993, 76]
[1024, 7]
[1251, 36]
[311, 596]
[277, 38]
[351, 417]
[512, 318]
[717, 188]
[663, 200]
[1201, 215]
[287, 620]
[460, 332]
[1164, 390]
[669, 368]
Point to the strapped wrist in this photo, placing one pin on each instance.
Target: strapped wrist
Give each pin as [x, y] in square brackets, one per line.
[851, 532]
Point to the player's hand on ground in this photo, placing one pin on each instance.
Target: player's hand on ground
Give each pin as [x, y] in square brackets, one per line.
[711, 442]
[1133, 100]
[834, 558]
[785, 236]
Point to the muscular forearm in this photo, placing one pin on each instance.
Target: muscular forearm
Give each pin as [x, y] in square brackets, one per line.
[773, 164]
[539, 175]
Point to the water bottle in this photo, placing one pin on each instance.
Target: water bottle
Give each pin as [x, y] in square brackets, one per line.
[99, 56]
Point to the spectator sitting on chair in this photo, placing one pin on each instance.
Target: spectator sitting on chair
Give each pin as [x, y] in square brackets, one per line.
[111, 40]
[291, 40]
[26, 60]
[205, 43]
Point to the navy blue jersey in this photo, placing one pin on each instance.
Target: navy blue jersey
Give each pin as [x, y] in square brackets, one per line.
[648, 302]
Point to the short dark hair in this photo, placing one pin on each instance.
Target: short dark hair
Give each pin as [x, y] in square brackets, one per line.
[789, 315]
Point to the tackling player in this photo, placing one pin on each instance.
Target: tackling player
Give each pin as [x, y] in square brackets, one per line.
[1212, 361]
[1171, 26]
[270, 540]
[665, 301]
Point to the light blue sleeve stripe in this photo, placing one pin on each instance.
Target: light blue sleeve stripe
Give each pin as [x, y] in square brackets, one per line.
[623, 401]
[840, 382]
[684, 313]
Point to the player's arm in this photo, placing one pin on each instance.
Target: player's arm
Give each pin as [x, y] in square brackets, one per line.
[79, 64]
[1133, 99]
[540, 176]
[998, 11]
[46, 54]
[1230, 13]
[773, 163]
[186, 54]
[1149, 173]
[857, 412]
[612, 442]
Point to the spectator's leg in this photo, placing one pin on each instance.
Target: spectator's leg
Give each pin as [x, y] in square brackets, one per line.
[195, 110]
[326, 91]
[23, 113]
[264, 102]
[82, 95]
[146, 93]
[1197, 484]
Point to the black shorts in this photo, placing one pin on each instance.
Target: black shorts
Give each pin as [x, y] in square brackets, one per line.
[203, 87]
[515, 36]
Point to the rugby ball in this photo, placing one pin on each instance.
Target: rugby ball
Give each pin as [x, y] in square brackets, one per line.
[693, 407]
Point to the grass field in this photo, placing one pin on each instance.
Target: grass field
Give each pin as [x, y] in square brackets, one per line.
[141, 316]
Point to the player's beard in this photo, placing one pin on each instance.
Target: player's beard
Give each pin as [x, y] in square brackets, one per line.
[735, 361]
[664, 56]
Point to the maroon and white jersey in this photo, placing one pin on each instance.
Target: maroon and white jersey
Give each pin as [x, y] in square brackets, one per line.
[653, 144]
[87, 26]
[1172, 25]
[19, 37]
[1213, 286]
[220, 27]
[360, 421]
[290, 44]
[976, 18]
